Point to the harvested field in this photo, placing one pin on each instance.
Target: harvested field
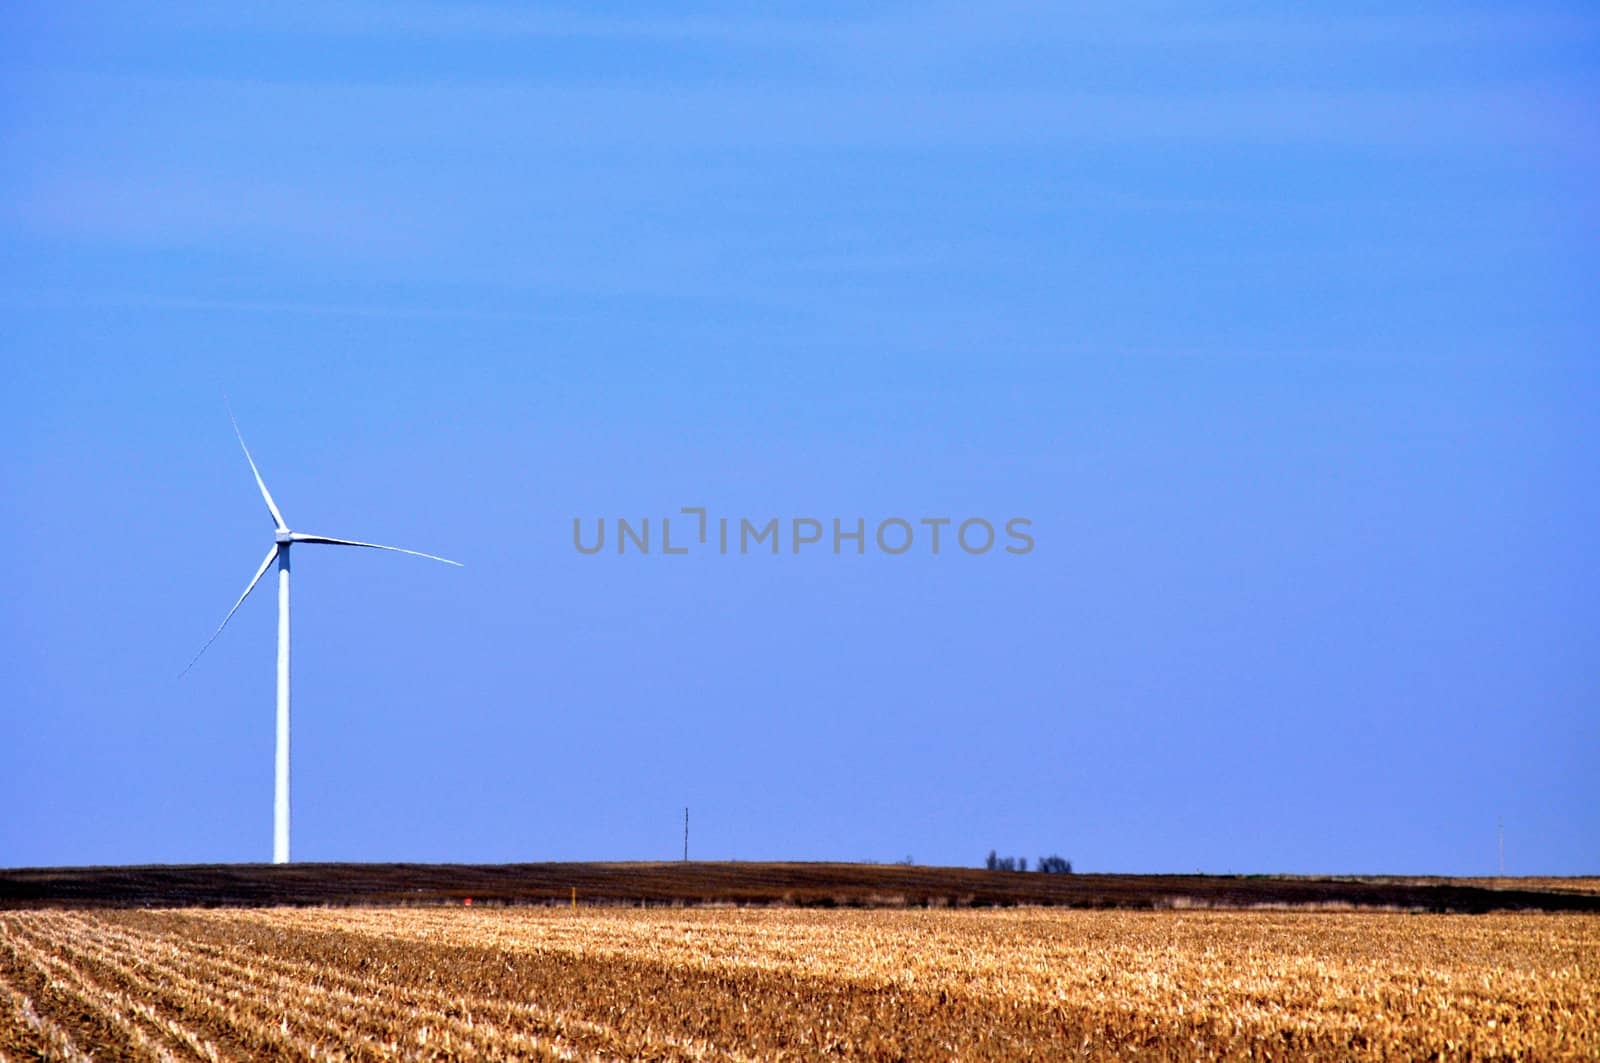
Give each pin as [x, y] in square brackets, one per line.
[653, 983]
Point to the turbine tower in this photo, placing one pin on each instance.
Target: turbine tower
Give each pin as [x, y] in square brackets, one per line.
[283, 539]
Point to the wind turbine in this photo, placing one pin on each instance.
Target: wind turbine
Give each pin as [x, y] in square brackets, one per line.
[283, 539]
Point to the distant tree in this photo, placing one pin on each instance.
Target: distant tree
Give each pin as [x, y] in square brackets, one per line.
[1054, 865]
[996, 862]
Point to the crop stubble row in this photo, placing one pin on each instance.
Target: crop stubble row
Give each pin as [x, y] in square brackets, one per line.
[774, 983]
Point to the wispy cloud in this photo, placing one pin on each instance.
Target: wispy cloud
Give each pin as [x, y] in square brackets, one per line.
[507, 116]
[545, 184]
[135, 202]
[80, 299]
[351, 18]
[676, 184]
[950, 26]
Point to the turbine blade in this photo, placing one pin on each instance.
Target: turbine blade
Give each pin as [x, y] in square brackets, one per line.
[277, 518]
[262, 571]
[299, 538]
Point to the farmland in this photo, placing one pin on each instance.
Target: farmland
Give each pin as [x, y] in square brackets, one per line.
[736, 983]
[743, 883]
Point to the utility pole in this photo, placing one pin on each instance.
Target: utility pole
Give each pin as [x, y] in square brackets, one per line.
[1500, 830]
[686, 833]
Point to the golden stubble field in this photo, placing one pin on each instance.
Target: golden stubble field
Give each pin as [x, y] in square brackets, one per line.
[460, 983]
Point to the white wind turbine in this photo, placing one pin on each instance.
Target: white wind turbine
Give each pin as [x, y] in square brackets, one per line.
[282, 540]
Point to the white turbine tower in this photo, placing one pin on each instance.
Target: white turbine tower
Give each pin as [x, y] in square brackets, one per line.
[282, 540]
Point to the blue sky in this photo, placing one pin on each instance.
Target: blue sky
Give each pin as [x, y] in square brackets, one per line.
[1278, 325]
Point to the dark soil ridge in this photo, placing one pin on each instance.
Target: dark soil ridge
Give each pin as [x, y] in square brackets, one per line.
[697, 884]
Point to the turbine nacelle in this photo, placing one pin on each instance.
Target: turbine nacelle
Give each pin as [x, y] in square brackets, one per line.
[283, 538]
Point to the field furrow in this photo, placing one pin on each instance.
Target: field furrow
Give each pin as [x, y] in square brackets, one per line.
[135, 978]
[378, 1002]
[70, 991]
[24, 1034]
[236, 1013]
[341, 1015]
